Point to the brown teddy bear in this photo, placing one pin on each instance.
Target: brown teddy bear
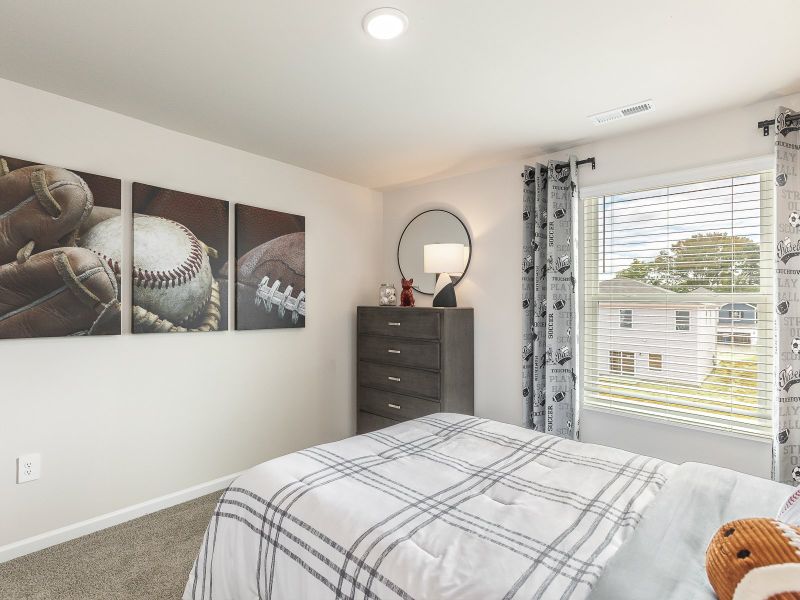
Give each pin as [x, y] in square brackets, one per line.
[755, 559]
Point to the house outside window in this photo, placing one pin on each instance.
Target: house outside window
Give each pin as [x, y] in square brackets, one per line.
[695, 263]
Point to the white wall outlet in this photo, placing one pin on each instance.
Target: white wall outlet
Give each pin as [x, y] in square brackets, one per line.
[29, 467]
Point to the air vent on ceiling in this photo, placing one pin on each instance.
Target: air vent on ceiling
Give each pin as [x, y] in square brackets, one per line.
[621, 113]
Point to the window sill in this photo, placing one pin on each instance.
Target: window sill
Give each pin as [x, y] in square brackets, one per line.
[753, 437]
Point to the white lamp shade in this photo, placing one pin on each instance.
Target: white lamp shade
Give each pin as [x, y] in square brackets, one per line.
[443, 258]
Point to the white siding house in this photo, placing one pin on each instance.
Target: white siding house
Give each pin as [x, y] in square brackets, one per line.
[650, 332]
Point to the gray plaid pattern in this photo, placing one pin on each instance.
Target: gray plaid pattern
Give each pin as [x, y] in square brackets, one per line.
[444, 507]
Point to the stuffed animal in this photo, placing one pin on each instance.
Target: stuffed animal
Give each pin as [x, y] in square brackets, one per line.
[407, 295]
[755, 559]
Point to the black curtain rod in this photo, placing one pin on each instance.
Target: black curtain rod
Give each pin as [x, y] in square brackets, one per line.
[585, 161]
[765, 125]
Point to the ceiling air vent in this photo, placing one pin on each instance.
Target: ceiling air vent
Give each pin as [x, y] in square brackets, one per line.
[621, 113]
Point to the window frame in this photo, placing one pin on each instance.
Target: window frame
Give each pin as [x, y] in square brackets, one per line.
[660, 180]
[626, 320]
[679, 325]
[651, 361]
[622, 362]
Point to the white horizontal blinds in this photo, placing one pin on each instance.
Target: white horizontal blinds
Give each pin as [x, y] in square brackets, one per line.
[678, 311]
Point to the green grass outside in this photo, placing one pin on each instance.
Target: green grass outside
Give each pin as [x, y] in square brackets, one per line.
[731, 380]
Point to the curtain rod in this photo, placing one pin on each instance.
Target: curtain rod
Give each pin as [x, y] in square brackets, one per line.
[585, 161]
[765, 125]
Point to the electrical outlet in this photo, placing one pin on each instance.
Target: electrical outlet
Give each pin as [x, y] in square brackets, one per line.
[29, 467]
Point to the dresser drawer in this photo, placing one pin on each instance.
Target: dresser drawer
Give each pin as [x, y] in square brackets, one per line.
[367, 422]
[395, 406]
[405, 353]
[399, 322]
[399, 379]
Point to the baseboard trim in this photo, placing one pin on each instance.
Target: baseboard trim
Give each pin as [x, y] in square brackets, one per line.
[76, 530]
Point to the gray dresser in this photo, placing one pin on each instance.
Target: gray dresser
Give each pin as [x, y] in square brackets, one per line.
[413, 362]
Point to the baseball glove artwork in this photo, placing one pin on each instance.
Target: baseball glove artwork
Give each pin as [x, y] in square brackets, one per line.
[48, 285]
[270, 269]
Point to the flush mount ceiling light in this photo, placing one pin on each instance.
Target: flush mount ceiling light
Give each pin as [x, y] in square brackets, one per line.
[385, 23]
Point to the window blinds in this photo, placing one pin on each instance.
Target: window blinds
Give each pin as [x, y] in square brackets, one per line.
[678, 303]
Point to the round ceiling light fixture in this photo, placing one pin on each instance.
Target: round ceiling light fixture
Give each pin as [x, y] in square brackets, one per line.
[385, 23]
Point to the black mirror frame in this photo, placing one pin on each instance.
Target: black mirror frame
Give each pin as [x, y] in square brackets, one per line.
[456, 280]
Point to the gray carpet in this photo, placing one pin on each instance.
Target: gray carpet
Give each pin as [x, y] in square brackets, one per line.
[145, 559]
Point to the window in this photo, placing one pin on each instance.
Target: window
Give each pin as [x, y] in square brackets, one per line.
[655, 361]
[695, 263]
[621, 362]
[741, 338]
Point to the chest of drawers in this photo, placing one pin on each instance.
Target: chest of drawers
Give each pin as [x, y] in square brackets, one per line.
[413, 362]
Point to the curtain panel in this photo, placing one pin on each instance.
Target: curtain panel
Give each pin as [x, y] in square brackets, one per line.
[786, 409]
[550, 199]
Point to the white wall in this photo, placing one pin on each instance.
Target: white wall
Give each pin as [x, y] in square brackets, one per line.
[490, 202]
[124, 419]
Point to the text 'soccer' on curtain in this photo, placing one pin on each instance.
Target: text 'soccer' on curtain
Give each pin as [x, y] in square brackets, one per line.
[786, 413]
[548, 298]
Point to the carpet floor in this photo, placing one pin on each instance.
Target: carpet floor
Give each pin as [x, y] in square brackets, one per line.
[148, 558]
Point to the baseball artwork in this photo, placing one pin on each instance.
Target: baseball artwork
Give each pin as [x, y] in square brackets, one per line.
[270, 269]
[51, 283]
[180, 246]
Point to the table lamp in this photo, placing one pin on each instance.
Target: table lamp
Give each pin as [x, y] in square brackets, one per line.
[443, 259]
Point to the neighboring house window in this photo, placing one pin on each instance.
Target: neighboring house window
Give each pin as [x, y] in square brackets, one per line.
[621, 362]
[655, 361]
[694, 262]
[740, 338]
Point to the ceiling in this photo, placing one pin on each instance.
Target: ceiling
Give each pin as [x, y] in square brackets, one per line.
[471, 84]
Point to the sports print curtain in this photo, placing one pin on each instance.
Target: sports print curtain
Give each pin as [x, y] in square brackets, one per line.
[548, 298]
[786, 410]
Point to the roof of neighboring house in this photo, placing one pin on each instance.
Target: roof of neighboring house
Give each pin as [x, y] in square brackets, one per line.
[623, 285]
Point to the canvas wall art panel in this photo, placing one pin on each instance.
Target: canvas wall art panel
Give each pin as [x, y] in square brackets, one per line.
[270, 269]
[180, 248]
[52, 283]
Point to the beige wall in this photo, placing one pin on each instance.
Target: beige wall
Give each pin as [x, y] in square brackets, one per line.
[123, 419]
[490, 202]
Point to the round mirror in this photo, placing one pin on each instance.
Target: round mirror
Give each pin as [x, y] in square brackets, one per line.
[430, 227]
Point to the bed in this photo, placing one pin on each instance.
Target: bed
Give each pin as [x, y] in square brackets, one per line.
[453, 507]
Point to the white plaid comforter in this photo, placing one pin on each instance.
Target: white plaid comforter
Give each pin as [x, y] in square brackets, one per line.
[447, 507]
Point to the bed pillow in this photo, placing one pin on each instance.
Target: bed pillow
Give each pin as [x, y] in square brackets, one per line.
[755, 559]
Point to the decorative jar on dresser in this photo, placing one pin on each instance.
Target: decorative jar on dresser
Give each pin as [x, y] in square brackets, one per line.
[413, 362]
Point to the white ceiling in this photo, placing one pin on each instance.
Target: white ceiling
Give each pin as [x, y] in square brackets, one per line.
[472, 83]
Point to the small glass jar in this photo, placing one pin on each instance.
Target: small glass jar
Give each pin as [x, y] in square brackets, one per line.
[388, 295]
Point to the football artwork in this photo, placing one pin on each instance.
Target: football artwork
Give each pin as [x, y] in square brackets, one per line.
[51, 283]
[180, 245]
[270, 269]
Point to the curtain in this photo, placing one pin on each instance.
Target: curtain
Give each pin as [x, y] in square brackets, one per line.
[548, 298]
[786, 409]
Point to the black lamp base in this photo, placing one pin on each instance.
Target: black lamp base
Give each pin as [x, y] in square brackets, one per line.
[444, 294]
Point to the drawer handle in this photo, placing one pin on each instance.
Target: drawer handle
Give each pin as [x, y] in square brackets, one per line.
[394, 324]
[395, 406]
[390, 351]
[394, 378]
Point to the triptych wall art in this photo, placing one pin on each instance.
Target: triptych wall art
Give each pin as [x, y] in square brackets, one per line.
[61, 257]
